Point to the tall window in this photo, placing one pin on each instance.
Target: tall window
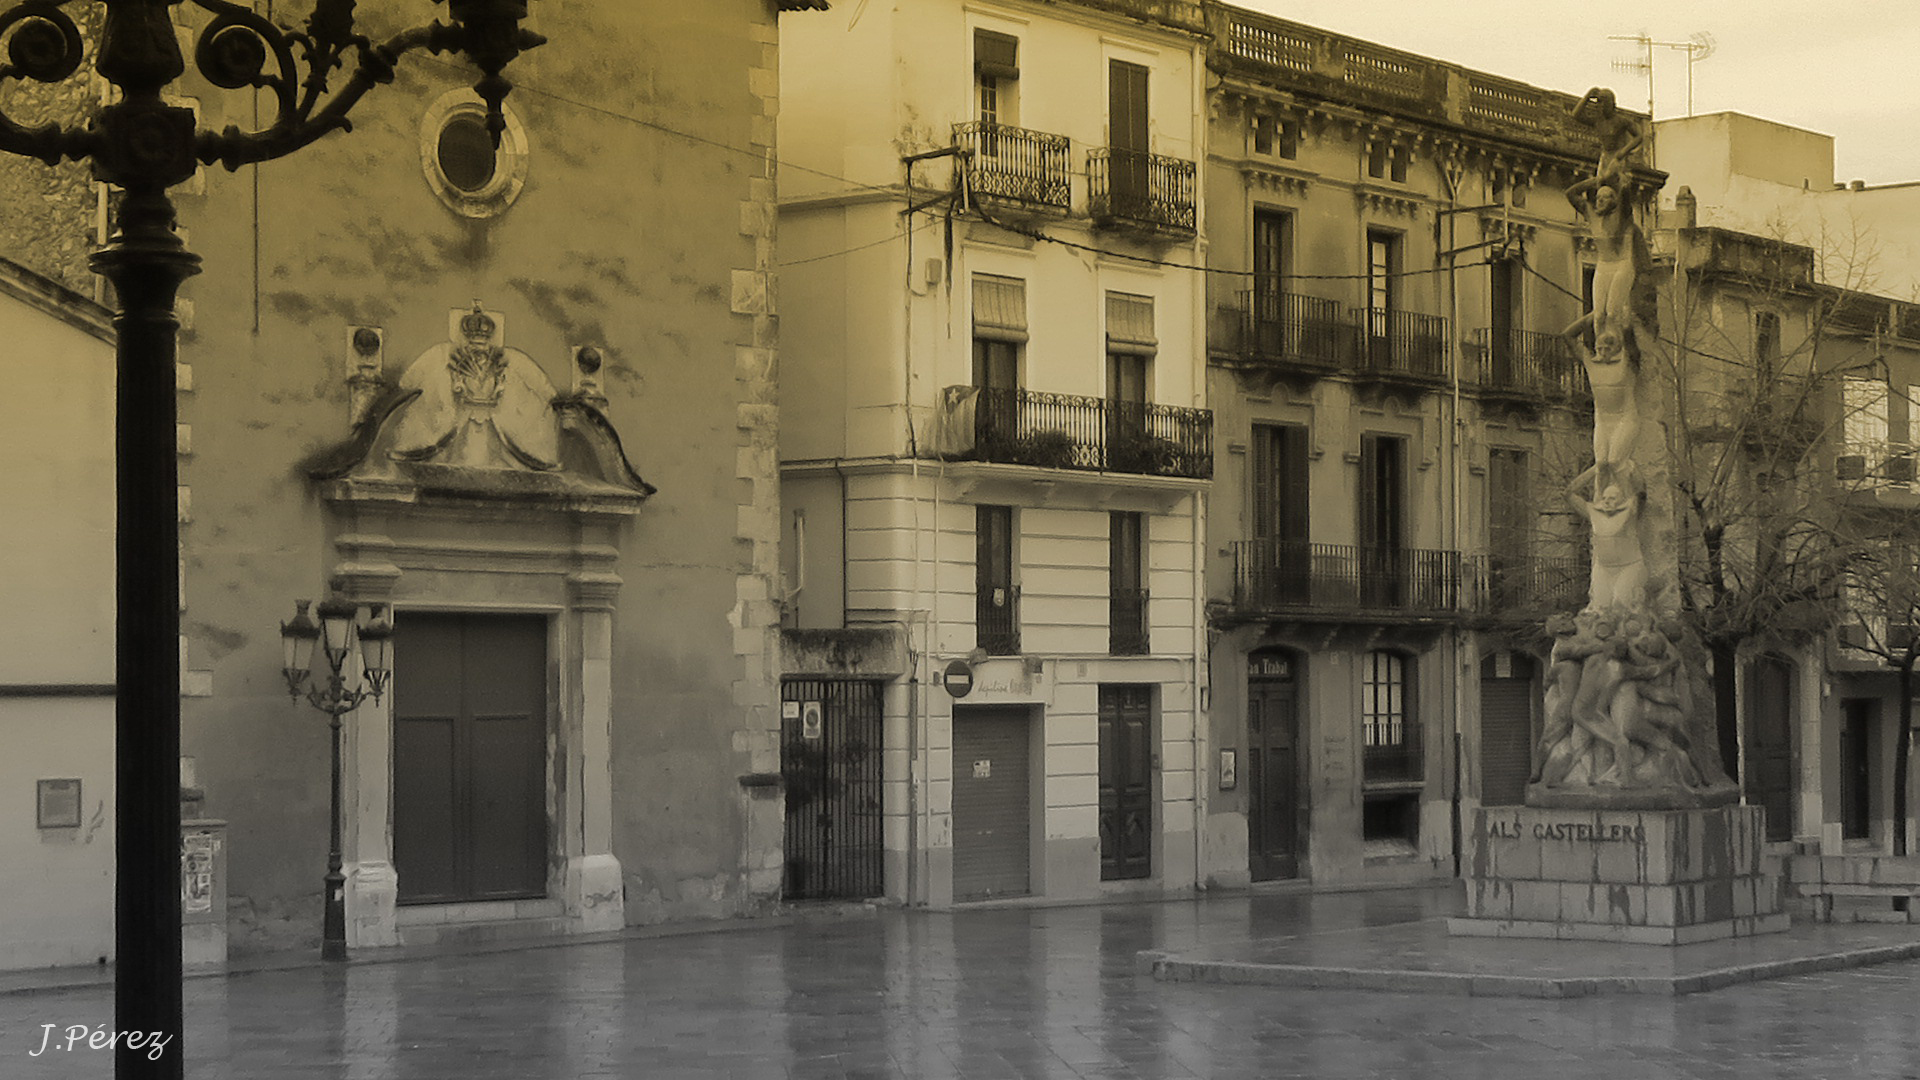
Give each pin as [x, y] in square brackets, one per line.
[1278, 463]
[1766, 340]
[996, 596]
[996, 67]
[1383, 270]
[1126, 584]
[1384, 568]
[1130, 349]
[1863, 426]
[999, 332]
[1272, 258]
[1127, 137]
[1281, 562]
[1386, 718]
[1503, 318]
[1510, 518]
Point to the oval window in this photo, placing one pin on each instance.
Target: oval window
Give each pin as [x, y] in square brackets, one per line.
[466, 152]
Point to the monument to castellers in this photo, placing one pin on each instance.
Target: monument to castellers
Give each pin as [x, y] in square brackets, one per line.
[1631, 830]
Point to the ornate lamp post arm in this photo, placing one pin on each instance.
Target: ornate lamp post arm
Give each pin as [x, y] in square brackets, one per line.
[146, 146]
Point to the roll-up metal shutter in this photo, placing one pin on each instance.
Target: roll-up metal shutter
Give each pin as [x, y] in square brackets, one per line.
[992, 802]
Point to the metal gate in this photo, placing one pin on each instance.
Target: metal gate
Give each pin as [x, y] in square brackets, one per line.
[830, 734]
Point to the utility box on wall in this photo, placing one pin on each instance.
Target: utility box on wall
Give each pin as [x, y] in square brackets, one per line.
[203, 893]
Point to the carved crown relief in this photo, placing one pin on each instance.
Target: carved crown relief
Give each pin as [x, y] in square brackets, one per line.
[480, 404]
[472, 416]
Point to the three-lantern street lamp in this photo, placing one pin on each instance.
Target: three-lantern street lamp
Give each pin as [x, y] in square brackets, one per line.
[358, 659]
[143, 145]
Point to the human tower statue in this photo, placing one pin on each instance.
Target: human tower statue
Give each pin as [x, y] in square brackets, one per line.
[1628, 723]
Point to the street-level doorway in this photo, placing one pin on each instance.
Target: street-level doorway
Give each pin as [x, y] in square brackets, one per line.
[1506, 727]
[830, 761]
[469, 757]
[1126, 782]
[1273, 766]
[1858, 717]
[992, 801]
[1770, 742]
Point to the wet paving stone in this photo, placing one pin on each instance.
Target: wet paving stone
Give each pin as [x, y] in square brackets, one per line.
[1004, 994]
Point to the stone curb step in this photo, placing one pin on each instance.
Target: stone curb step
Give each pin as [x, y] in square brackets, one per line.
[1168, 967]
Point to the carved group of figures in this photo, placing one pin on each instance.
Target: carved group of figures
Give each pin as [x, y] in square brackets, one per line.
[1620, 707]
[1623, 716]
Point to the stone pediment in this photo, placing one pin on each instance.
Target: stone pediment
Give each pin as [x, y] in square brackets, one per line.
[472, 420]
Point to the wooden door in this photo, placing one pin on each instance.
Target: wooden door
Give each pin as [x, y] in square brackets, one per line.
[1274, 333]
[1126, 782]
[1856, 769]
[1272, 768]
[1128, 137]
[1382, 521]
[470, 757]
[1770, 743]
[992, 802]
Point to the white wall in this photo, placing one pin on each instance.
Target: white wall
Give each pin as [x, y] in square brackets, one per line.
[56, 433]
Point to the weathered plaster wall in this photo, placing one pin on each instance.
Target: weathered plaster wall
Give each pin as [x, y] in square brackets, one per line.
[56, 434]
[645, 228]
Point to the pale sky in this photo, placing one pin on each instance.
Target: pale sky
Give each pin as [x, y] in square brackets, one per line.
[1846, 68]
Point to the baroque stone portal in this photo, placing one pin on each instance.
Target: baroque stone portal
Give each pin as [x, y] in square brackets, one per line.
[1629, 720]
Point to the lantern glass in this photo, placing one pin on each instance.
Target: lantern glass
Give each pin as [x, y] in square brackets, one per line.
[336, 631]
[296, 640]
[376, 645]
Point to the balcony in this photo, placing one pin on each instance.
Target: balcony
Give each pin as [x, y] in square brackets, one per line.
[1278, 576]
[996, 613]
[1135, 189]
[1025, 168]
[1288, 331]
[1524, 588]
[1523, 364]
[1403, 345]
[1127, 622]
[1069, 431]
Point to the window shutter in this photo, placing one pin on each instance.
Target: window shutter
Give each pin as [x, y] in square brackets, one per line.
[1127, 105]
[999, 308]
[1293, 484]
[996, 55]
[1130, 324]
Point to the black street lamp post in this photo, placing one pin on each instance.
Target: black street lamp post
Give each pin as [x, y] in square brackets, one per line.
[145, 146]
[343, 640]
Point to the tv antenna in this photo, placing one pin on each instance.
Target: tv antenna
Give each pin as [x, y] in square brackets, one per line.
[1698, 46]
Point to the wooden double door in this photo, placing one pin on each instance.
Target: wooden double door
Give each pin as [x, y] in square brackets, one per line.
[470, 757]
[1273, 768]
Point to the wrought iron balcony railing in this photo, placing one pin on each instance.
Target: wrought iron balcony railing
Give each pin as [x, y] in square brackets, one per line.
[1278, 575]
[1069, 431]
[1522, 587]
[1127, 622]
[1286, 328]
[996, 614]
[1133, 187]
[1526, 363]
[1003, 162]
[1404, 344]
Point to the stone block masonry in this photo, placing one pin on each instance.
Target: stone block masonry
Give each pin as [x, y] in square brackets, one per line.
[1643, 876]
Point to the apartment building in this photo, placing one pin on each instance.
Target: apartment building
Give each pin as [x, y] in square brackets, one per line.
[994, 453]
[1393, 257]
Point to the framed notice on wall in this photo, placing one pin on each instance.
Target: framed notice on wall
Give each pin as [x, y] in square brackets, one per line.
[59, 804]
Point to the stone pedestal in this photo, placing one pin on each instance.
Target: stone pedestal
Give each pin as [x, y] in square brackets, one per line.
[1657, 877]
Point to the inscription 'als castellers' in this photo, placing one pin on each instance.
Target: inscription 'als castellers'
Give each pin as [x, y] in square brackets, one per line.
[1570, 831]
